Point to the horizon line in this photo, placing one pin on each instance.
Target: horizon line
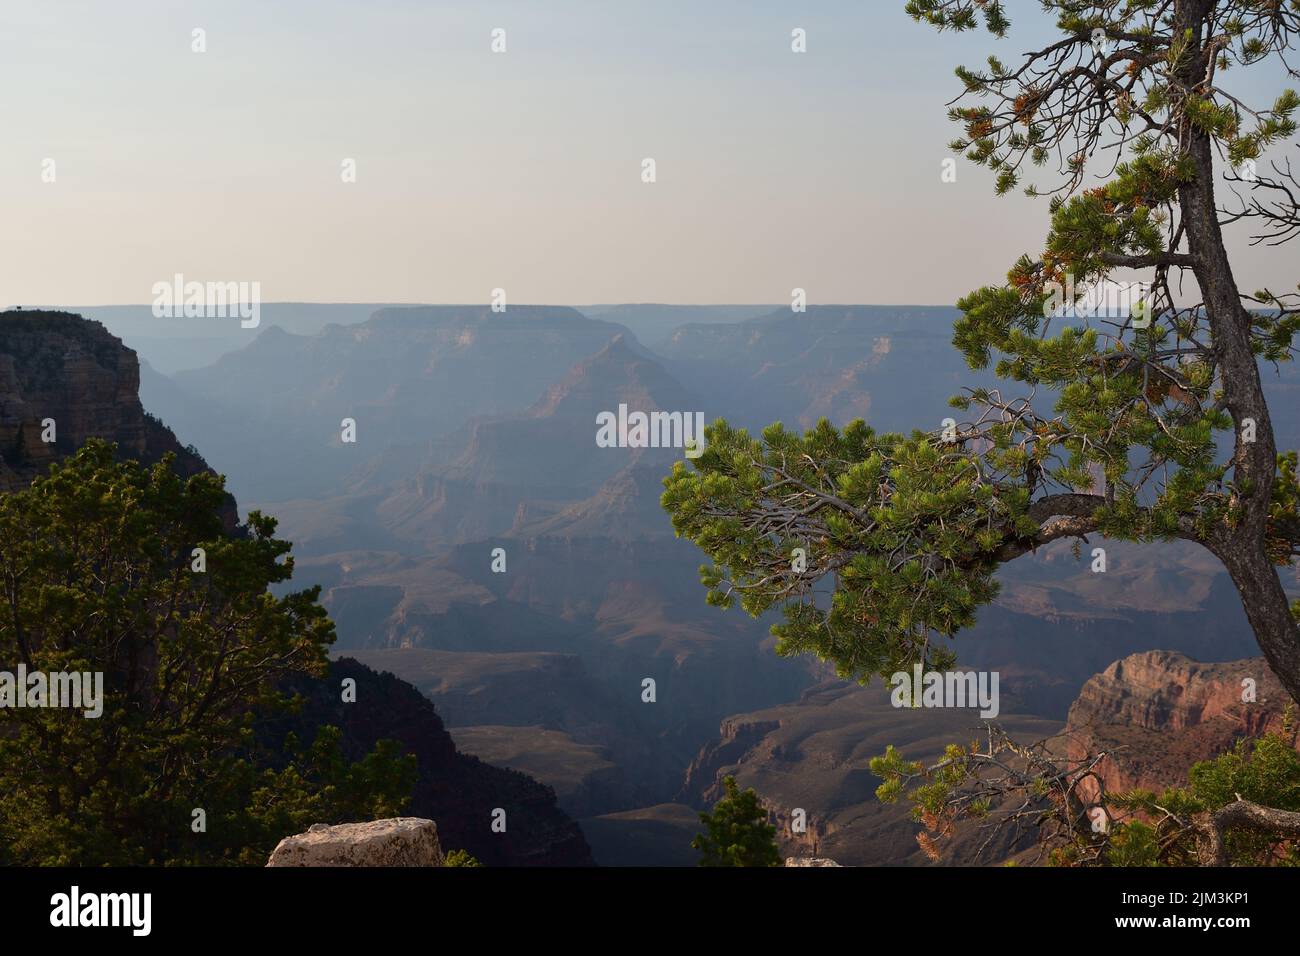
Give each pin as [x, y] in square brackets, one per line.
[562, 305]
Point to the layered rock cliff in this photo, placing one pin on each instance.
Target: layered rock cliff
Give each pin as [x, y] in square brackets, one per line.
[1157, 713]
[59, 368]
[737, 737]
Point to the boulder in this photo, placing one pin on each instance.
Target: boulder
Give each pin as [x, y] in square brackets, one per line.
[809, 861]
[401, 841]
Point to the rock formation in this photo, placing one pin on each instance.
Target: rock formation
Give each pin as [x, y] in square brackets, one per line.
[401, 841]
[1157, 713]
[809, 861]
[58, 366]
[61, 367]
[737, 736]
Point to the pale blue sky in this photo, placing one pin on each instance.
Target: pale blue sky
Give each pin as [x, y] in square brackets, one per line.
[519, 170]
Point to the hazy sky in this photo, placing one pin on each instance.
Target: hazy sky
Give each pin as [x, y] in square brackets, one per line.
[519, 170]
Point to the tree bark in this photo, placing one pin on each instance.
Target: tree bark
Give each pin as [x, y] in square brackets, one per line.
[1240, 545]
[1211, 828]
[1267, 610]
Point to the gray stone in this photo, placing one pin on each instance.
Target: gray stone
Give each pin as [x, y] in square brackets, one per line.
[401, 841]
[809, 861]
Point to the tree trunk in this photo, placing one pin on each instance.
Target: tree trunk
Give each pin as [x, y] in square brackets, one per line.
[1241, 545]
[1212, 828]
[1268, 612]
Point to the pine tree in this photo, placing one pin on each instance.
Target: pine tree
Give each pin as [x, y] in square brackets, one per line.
[96, 575]
[1158, 428]
[736, 832]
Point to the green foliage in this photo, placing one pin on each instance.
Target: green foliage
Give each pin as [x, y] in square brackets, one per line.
[909, 526]
[961, 17]
[95, 563]
[1134, 844]
[1146, 829]
[1284, 511]
[736, 832]
[1131, 447]
[261, 806]
[460, 858]
[893, 771]
[1265, 771]
[934, 791]
[906, 532]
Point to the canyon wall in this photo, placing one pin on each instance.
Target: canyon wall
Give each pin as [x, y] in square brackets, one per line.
[1159, 712]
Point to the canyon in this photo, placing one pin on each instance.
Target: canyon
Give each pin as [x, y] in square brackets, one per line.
[477, 438]
[62, 366]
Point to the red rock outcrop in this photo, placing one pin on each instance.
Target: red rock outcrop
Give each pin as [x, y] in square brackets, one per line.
[1159, 712]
